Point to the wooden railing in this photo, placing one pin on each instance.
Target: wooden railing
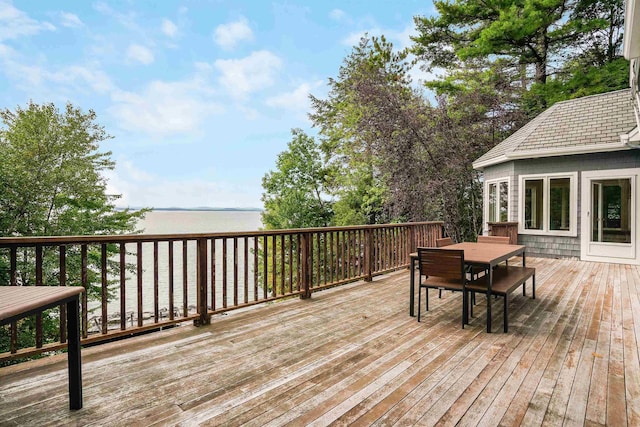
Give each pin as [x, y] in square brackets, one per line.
[136, 283]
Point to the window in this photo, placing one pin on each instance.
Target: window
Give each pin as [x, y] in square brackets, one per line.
[497, 200]
[548, 204]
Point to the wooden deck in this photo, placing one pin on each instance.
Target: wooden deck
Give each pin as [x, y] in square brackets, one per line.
[353, 356]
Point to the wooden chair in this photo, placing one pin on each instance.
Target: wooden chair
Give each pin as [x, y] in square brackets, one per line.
[493, 239]
[445, 241]
[441, 269]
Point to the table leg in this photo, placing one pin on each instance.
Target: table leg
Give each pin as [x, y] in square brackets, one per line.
[74, 359]
[412, 286]
[490, 278]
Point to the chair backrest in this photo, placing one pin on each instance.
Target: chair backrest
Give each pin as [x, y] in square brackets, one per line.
[445, 241]
[445, 263]
[493, 239]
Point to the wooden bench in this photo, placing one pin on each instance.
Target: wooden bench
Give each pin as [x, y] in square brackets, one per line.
[506, 279]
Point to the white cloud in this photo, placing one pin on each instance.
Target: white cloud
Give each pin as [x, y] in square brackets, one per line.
[34, 78]
[140, 54]
[165, 108]
[14, 23]
[79, 77]
[240, 77]
[70, 20]
[169, 29]
[143, 189]
[400, 39]
[296, 100]
[229, 35]
[337, 14]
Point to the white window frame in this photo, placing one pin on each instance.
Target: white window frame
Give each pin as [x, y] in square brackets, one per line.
[497, 182]
[546, 190]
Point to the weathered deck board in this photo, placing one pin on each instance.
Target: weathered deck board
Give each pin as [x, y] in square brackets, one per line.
[353, 356]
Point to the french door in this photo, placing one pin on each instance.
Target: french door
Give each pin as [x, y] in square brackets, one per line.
[609, 207]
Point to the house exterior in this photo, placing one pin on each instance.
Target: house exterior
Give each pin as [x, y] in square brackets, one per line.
[570, 178]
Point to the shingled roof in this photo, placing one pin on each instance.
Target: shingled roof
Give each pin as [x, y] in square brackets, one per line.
[584, 125]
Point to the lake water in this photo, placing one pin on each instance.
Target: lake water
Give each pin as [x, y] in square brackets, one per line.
[169, 222]
[177, 222]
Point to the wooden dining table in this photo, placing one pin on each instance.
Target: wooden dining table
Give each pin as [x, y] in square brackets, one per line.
[483, 255]
[17, 302]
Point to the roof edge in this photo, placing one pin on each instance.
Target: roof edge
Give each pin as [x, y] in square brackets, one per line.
[554, 152]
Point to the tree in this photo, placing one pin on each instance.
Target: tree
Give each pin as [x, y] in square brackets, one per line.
[52, 184]
[295, 193]
[532, 41]
[376, 126]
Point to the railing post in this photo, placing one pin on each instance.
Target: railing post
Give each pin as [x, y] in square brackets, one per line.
[305, 269]
[368, 254]
[201, 266]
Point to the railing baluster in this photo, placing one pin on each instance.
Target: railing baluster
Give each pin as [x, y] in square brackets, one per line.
[62, 281]
[156, 297]
[274, 264]
[171, 281]
[282, 272]
[224, 272]
[123, 283]
[318, 258]
[255, 268]
[39, 283]
[246, 270]
[103, 284]
[84, 278]
[139, 279]
[290, 263]
[324, 257]
[265, 265]
[298, 262]
[185, 283]
[235, 271]
[213, 274]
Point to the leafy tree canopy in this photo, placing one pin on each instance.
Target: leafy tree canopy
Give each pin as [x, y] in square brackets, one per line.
[51, 175]
[295, 192]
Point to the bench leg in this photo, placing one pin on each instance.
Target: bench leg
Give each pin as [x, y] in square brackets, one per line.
[533, 280]
[74, 359]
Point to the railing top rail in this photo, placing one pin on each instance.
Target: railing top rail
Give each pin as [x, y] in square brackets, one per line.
[127, 238]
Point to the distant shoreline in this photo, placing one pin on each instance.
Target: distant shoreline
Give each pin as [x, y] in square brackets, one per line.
[201, 209]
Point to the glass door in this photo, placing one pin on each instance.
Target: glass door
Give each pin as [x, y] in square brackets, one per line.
[611, 212]
[608, 211]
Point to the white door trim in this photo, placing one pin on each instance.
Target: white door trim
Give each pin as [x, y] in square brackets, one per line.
[617, 253]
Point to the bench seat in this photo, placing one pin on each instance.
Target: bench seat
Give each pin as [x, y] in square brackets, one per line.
[506, 279]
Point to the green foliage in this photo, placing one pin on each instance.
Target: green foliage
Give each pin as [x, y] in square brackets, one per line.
[295, 193]
[52, 184]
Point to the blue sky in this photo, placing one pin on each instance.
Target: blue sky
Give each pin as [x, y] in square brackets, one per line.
[200, 96]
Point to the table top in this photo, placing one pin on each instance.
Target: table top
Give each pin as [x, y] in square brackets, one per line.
[484, 253]
[20, 301]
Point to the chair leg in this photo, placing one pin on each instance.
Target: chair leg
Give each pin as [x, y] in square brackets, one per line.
[524, 289]
[419, 299]
[426, 297]
[439, 293]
